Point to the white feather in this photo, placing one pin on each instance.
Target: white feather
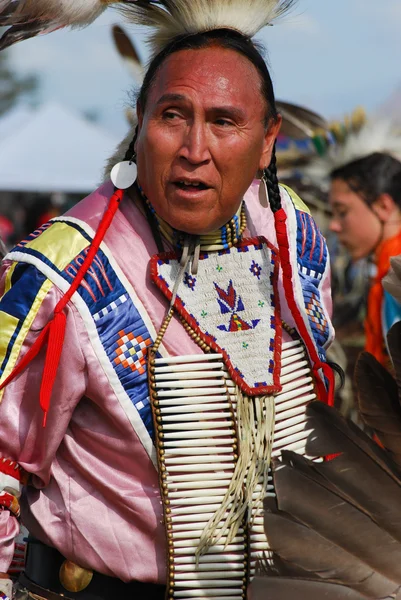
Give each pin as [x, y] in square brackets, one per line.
[170, 18]
[60, 12]
[375, 136]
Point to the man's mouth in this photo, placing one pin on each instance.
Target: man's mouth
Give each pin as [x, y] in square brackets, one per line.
[191, 185]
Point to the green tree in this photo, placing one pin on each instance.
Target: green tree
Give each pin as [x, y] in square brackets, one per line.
[13, 86]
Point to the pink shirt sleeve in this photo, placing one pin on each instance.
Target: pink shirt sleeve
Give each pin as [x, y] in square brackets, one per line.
[22, 436]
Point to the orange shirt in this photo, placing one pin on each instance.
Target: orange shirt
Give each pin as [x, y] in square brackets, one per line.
[375, 342]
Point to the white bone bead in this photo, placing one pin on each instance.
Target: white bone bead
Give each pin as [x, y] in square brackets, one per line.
[292, 394]
[217, 548]
[232, 594]
[183, 444]
[287, 345]
[289, 423]
[292, 412]
[209, 583]
[187, 510]
[195, 477]
[193, 544]
[195, 408]
[190, 358]
[209, 559]
[188, 534]
[233, 566]
[190, 392]
[188, 460]
[283, 434]
[199, 425]
[167, 377]
[295, 402]
[195, 500]
[208, 576]
[297, 384]
[293, 359]
[199, 451]
[221, 397]
[196, 434]
[195, 494]
[190, 367]
[179, 416]
[191, 383]
[294, 375]
[291, 367]
[199, 468]
[289, 439]
[294, 351]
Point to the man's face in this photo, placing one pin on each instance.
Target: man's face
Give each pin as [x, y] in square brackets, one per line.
[354, 222]
[202, 137]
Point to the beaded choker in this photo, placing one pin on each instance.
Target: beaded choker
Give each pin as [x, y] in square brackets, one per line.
[222, 239]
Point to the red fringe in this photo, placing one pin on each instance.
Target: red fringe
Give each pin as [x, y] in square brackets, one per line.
[54, 331]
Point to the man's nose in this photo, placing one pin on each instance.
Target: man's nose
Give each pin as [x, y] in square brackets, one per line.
[195, 147]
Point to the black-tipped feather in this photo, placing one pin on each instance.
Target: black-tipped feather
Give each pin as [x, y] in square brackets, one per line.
[19, 33]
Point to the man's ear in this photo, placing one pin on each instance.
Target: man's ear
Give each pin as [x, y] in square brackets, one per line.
[270, 137]
[384, 207]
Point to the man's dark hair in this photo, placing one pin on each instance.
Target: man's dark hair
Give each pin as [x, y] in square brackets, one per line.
[231, 40]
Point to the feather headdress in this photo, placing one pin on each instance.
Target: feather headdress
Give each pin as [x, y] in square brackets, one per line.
[373, 136]
[168, 18]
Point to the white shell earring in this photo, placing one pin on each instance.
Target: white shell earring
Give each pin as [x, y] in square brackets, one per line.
[124, 174]
[263, 193]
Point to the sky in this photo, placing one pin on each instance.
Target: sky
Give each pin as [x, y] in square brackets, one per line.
[329, 55]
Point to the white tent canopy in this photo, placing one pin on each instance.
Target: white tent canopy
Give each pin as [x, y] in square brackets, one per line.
[54, 150]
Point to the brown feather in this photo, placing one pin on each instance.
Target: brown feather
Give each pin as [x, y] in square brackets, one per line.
[378, 401]
[124, 45]
[334, 434]
[285, 588]
[301, 493]
[298, 122]
[299, 545]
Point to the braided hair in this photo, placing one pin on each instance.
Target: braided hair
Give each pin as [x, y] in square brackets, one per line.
[231, 40]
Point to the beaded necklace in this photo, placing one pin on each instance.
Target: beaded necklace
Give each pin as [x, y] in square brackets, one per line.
[222, 239]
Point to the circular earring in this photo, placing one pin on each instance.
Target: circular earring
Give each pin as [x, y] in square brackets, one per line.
[124, 173]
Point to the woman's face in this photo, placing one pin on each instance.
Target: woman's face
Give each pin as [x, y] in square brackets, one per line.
[202, 137]
[357, 226]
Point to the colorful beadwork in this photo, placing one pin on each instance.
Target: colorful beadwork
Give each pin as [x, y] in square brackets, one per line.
[242, 319]
[131, 351]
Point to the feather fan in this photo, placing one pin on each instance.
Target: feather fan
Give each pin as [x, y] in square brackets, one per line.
[170, 18]
[28, 18]
[378, 397]
[299, 122]
[335, 526]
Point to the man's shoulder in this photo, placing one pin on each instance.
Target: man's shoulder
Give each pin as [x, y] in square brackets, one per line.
[58, 242]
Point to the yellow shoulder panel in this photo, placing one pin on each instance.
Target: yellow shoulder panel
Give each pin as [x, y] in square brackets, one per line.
[60, 243]
[298, 203]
